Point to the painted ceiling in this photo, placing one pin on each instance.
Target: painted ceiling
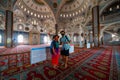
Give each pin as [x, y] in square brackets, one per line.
[39, 2]
[69, 1]
[66, 13]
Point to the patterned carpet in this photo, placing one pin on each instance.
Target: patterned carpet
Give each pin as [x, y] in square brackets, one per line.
[94, 64]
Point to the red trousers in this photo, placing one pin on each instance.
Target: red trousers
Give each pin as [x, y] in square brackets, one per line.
[55, 59]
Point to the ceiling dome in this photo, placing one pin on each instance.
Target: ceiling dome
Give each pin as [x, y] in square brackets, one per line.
[34, 8]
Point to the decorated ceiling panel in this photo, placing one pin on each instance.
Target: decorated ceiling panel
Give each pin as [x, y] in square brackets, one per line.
[38, 2]
[3, 3]
[69, 1]
[112, 8]
[54, 5]
[36, 5]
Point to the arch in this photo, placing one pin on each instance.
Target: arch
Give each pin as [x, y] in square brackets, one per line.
[101, 10]
[104, 7]
[103, 29]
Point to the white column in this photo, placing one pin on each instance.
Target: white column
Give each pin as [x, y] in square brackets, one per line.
[80, 41]
[72, 38]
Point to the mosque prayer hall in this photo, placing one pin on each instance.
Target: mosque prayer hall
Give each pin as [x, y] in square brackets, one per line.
[28, 45]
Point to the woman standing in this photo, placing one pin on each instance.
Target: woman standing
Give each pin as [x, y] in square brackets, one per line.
[55, 51]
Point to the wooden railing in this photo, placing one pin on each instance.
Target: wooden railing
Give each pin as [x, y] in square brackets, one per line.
[8, 61]
[13, 60]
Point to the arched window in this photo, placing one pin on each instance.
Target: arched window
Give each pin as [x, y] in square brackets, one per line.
[0, 39]
[45, 39]
[20, 38]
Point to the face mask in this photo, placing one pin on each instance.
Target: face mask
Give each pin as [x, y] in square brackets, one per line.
[62, 34]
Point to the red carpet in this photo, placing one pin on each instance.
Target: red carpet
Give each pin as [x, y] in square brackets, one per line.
[95, 64]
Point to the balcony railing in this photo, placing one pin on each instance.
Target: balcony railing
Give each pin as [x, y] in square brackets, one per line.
[110, 18]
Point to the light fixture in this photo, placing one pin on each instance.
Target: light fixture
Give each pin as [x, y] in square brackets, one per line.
[20, 20]
[24, 9]
[19, 3]
[47, 16]
[118, 6]
[66, 15]
[76, 13]
[35, 15]
[113, 35]
[28, 11]
[41, 16]
[73, 14]
[61, 15]
[44, 16]
[110, 9]
[38, 16]
[22, 6]
[34, 22]
[31, 13]
[91, 32]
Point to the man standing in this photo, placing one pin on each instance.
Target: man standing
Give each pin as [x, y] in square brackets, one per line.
[64, 41]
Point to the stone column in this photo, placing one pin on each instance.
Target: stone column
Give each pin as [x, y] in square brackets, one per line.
[71, 38]
[9, 29]
[56, 28]
[96, 26]
[91, 38]
[80, 41]
[85, 40]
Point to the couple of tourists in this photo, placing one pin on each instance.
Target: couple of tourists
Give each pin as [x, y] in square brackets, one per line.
[56, 52]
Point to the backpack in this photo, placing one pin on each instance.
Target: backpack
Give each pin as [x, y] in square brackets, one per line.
[67, 38]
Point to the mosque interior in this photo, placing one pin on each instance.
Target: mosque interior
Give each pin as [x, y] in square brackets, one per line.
[92, 25]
